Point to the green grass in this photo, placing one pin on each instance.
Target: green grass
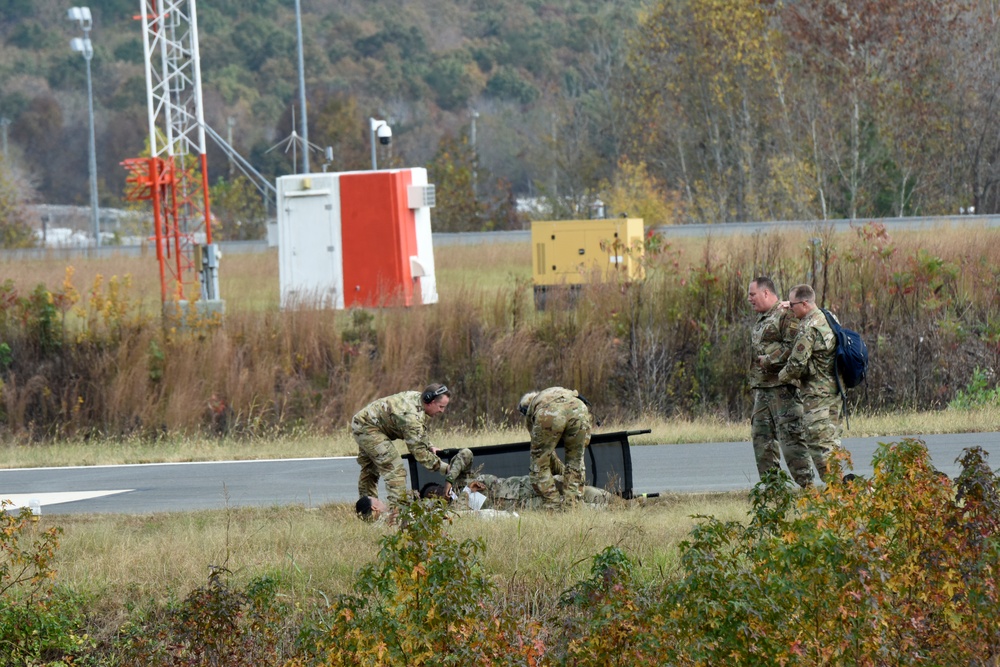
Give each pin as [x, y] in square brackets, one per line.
[317, 552]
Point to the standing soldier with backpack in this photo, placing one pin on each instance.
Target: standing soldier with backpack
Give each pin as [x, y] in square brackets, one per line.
[776, 409]
[812, 365]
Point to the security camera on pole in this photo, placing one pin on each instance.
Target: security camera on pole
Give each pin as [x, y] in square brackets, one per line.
[384, 133]
[357, 238]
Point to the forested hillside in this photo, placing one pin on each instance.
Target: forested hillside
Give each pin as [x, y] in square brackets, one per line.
[423, 65]
[673, 110]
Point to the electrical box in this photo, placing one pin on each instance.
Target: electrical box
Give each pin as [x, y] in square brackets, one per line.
[359, 238]
[576, 252]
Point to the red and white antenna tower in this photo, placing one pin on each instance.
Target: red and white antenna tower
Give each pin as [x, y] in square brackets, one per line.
[175, 175]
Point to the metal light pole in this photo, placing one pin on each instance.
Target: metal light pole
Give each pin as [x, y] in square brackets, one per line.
[302, 91]
[83, 45]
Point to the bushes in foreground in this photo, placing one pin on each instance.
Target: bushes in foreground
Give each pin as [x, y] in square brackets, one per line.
[897, 570]
[900, 569]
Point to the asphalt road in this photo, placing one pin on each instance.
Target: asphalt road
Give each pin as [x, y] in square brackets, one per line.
[174, 487]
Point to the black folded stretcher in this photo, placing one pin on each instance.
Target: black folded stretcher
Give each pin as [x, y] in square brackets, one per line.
[607, 460]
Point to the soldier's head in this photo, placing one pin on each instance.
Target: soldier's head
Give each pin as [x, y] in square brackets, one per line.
[522, 405]
[761, 294]
[433, 490]
[435, 399]
[802, 300]
[370, 508]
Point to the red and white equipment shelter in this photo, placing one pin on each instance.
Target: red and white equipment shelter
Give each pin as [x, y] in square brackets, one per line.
[357, 238]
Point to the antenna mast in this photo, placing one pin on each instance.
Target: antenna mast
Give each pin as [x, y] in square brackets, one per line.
[175, 175]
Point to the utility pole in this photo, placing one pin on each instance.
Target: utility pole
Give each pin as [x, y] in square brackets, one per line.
[555, 163]
[302, 91]
[475, 157]
[4, 122]
[230, 122]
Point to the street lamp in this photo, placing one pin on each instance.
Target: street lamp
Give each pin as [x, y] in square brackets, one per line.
[384, 132]
[83, 46]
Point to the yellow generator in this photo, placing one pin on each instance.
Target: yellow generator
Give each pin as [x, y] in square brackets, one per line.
[567, 254]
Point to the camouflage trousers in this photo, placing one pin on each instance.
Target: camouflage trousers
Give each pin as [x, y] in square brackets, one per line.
[460, 468]
[821, 430]
[378, 457]
[557, 422]
[776, 427]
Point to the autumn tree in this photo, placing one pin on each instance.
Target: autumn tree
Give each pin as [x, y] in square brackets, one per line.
[339, 123]
[635, 194]
[16, 229]
[870, 105]
[972, 155]
[239, 209]
[706, 76]
[452, 172]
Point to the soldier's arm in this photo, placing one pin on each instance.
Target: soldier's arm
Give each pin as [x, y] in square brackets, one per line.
[798, 359]
[421, 449]
[789, 327]
[776, 355]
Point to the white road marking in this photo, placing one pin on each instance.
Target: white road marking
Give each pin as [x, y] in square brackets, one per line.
[24, 499]
[179, 463]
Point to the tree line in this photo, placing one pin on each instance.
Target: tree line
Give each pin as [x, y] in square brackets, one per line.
[683, 110]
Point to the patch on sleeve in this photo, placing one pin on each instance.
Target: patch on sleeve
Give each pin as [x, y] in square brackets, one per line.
[800, 347]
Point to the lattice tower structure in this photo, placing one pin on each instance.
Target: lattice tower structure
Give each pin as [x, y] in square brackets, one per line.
[175, 175]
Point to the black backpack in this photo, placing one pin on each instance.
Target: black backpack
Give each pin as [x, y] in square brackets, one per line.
[852, 358]
[852, 353]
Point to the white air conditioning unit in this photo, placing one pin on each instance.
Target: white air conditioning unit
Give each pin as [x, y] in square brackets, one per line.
[421, 196]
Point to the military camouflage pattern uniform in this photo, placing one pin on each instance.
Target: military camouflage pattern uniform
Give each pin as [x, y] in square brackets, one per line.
[812, 365]
[397, 417]
[776, 409]
[514, 493]
[557, 415]
[459, 469]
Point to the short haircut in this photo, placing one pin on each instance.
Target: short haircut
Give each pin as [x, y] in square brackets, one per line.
[432, 490]
[364, 508]
[763, 282]
[433, 391]
[803, 293]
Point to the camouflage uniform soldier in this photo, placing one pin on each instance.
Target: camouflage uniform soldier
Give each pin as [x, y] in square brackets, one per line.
[776, 409]
[812, 365]
[556, 415]
[404, 417]
[514, 493]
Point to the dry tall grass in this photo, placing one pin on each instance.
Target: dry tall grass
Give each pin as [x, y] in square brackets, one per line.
[673, 346]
